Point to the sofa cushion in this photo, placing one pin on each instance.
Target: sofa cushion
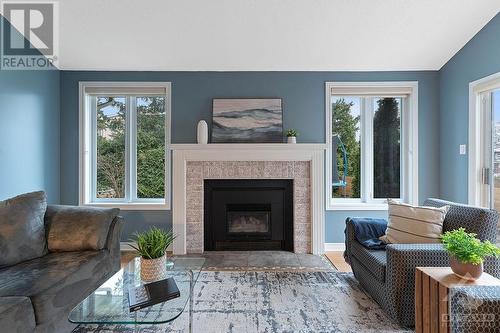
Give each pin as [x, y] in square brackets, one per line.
[374, 261]
[481, 221]
[56, 282]
[16, 315]
[78, 228]
[22, 230]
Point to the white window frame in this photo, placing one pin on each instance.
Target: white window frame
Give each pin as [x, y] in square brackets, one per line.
[87, 146]
[409, 142]
[477, 124]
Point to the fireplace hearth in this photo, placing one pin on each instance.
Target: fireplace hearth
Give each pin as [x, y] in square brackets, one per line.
[248, 214]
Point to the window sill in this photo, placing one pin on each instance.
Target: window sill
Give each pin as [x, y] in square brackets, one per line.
[340, 206]
[130, 206]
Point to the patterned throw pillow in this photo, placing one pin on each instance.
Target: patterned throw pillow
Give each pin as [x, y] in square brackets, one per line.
[414, 224]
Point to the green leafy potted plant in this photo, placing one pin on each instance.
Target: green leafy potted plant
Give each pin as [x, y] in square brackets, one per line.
[152, 247]
[467, 253]
[291, 135]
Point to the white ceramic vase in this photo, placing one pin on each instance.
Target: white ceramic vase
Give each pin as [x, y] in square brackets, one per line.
[153, 269]
[202, 132]
[292, 139]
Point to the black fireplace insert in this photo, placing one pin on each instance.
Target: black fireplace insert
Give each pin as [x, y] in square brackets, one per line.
[248, 214]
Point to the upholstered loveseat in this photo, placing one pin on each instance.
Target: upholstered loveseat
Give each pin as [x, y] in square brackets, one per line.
[60, 258]
[389, 275]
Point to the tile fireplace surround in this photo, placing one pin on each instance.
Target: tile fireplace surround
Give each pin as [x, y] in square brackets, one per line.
[304, 163]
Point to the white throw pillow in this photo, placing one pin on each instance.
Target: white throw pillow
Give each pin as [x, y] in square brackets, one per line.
[414, 224]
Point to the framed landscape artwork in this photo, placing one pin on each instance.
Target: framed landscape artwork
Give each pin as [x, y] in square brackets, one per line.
[247, 120]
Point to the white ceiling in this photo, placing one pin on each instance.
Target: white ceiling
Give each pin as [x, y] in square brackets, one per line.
[267, 35]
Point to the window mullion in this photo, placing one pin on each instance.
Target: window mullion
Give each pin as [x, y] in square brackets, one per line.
[127, 148]
[93, 149]
[404, 149]
[369, 134]
[132, 151]
[363, 149]
[368, 167]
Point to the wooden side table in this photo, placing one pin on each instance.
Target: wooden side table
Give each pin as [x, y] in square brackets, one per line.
[431, 296]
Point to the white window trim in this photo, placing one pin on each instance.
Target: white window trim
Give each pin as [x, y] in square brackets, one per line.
[409, 139]
[476, 127]
[85, 196]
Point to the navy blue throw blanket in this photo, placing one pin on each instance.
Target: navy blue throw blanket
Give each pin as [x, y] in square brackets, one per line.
[367, 231]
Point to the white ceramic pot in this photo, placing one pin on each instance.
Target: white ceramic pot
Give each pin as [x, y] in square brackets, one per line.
[292, 139]
[153, 269]
[202, 132]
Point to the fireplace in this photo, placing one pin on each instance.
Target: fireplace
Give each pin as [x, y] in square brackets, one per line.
[248, 214]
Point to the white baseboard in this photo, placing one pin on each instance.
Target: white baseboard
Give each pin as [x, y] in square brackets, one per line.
[334, 246]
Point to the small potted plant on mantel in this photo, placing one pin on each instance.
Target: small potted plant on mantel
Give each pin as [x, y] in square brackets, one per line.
[467, 253]
[291, 135]
[152, 247]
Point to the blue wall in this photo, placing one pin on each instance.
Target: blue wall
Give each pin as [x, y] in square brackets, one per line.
[31, 154]
[29, 132]
[479, 58]
[303, 96]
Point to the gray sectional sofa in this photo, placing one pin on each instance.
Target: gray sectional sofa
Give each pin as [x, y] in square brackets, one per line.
[389, 275]
[52, 257]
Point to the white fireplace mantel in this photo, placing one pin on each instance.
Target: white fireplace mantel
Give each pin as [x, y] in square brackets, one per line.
[314, 153]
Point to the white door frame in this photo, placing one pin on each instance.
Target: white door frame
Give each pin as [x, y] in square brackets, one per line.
[476, 140]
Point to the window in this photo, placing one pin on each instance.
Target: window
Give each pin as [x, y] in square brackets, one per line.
[484, 142]
[372, 140]
[124, 133]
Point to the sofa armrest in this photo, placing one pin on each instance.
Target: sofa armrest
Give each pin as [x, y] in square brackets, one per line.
[414, 255]
[402, 259]
[113, 241]
[72, 228]
[350, 232]
[17, 314]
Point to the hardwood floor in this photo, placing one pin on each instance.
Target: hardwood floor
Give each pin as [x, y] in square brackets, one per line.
[337, 259]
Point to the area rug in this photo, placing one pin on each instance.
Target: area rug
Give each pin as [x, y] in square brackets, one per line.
[251, 301]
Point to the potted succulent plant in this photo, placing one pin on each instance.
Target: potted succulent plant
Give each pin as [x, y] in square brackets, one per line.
[467, 253]
[152, 247]
[291, 135]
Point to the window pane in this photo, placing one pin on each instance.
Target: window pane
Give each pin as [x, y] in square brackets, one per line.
[386, 147]
[346, 145]
[110, 147]
[150, 147]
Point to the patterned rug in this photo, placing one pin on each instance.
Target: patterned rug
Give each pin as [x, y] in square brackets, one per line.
[249, 302]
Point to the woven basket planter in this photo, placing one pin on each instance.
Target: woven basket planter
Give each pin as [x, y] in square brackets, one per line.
[154, 269]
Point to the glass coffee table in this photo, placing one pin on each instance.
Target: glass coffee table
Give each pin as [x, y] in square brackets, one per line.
[109, 303]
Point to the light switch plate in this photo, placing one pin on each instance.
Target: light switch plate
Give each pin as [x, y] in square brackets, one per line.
[463, 149]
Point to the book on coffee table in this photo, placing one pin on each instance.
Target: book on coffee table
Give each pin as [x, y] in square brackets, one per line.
[149, 294]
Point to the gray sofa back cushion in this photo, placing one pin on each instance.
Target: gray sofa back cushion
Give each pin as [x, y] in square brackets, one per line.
[78, 228]
[481, 221]
[22, 230]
